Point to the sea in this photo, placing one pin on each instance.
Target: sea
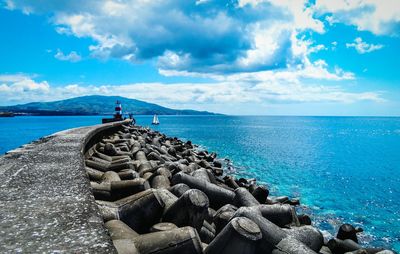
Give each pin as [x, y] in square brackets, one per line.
[343, 169]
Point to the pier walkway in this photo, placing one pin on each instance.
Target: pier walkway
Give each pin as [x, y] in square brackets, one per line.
[46, 204]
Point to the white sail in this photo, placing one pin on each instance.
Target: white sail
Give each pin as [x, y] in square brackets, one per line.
[155, 120]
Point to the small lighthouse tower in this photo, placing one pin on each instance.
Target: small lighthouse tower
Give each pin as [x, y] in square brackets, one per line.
[117, 114]
[118, 111]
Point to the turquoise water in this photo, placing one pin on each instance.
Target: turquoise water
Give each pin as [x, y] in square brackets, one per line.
[344, 169]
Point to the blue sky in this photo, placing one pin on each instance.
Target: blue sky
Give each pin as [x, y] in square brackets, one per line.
[263, 57]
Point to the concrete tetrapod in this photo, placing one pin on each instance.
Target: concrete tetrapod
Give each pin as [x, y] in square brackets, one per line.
[271, 233]
[261, 194]
[140, 211]
[165, 172]
[94, 174]
[167, 197]
[347, 231]
[223, 216]
[160, 181]
[128, 174]
[111, 191]
[189, 210]
[218, 196]
[179, 240]
[205, 235]
[238, 236]
[124, 188]
[201, 174]
[244, 198]
[279, 214]
[290, 245]
[308, 235]
[207, 232]
[338, 246]
[179, 189]
[119, 230]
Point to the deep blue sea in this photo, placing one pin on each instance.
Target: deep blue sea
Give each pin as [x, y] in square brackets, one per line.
[343, 169]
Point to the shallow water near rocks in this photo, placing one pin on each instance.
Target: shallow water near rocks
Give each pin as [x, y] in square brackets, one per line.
[343, 169]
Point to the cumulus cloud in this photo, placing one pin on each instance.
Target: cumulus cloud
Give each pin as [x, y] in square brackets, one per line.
[14, 77]
[376, 16]
[201, 36]
[300, 11]
[208, 36]
[362, 47]
[21, 87]
[71, 57]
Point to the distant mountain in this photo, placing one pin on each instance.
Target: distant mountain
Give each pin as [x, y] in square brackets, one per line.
[96, 105]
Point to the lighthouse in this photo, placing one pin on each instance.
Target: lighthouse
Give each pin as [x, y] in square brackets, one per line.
[118, 111]
[117, 114]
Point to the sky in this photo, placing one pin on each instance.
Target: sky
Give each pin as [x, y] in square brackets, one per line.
[240, 57]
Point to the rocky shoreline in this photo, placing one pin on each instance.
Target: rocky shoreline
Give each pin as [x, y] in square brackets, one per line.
[158, 194]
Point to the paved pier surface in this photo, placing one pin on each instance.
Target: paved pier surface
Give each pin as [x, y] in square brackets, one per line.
[46, 204]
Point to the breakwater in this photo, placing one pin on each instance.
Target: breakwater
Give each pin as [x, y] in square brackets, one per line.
[47, 204]
[158, 194]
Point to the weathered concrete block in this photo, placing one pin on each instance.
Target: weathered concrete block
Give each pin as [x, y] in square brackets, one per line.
[238, 236]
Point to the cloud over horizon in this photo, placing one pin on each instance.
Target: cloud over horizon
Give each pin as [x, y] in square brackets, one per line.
[269, 88]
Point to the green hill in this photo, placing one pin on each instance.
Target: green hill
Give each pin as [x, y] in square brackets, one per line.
[96, 105]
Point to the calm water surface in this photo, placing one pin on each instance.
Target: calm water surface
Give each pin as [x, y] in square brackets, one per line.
[344, 169]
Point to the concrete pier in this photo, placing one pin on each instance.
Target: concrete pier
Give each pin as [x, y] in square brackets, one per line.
[46, 204]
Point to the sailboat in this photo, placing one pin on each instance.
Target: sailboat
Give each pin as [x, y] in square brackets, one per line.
[155, 120]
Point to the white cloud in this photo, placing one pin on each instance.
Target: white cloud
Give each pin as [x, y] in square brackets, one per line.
[14, 77]
[331, 20]
[236, 90]
[9, 4]
[317, 48]
[71, 57]
[317, 70]
[377, 16]
[362, 47]
[209, 36]
[21, 87]
[199, 95]
[113, 8]
[334, 45]
[268, 44]
[301, 16]
[198, 36]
